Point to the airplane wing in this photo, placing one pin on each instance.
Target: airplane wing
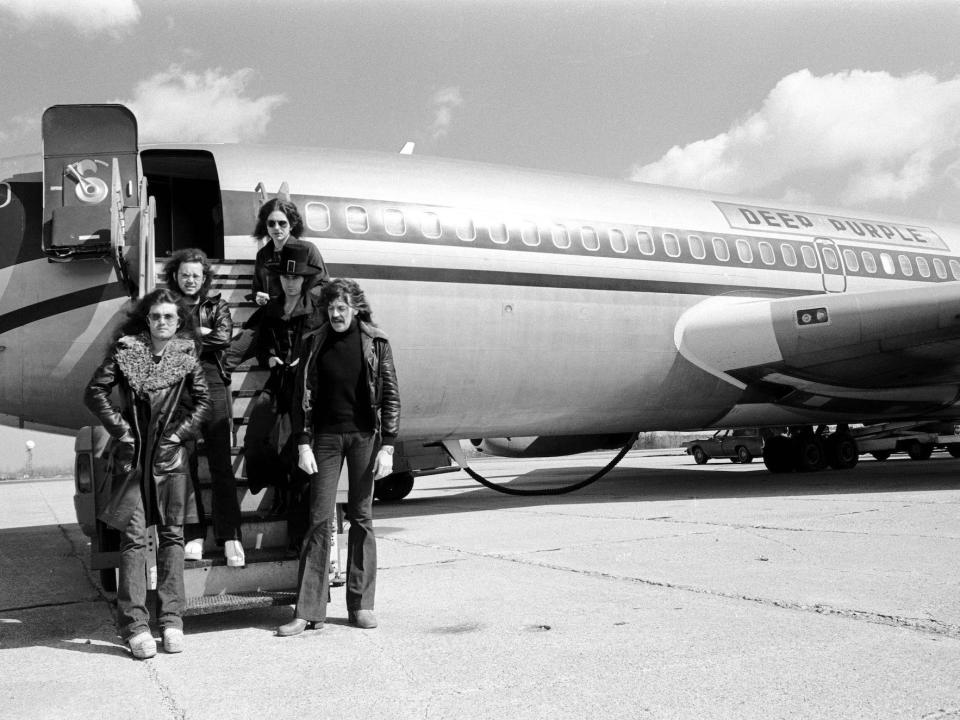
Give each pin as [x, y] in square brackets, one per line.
[888, 351]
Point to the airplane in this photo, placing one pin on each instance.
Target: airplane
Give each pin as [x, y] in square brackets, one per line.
[533, 311]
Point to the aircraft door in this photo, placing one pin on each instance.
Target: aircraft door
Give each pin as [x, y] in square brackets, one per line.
[832, 271]
[90, 179]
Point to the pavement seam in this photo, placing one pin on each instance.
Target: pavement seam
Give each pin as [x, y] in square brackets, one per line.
[925, 625]
[167, 700]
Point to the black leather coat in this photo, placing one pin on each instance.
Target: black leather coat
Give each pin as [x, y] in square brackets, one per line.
[380, 374]
[215, 315]
[157, 400]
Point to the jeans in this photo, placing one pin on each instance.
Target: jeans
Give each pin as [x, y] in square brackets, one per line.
[132, 615]
[218, 434]
[330, 450]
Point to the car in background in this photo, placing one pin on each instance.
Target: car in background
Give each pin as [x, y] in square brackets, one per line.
[741, 445]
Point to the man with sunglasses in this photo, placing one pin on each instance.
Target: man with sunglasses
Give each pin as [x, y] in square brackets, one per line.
[280, 222]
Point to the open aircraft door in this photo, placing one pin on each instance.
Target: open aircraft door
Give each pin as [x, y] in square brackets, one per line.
[832, 272]
[91, 183]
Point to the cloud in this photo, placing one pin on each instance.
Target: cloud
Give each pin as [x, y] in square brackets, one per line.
[850, 138]
[180, 106]
[88, 16]
[442, 104]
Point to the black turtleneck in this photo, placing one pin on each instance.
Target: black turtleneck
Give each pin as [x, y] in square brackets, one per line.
[342, 402]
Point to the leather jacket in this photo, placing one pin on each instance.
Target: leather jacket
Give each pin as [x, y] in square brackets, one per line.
[157, 400]
[215, 314]
[380, 375]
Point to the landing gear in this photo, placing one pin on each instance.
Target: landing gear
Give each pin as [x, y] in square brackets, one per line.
[808, 451]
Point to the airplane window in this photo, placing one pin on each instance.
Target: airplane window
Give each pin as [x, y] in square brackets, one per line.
[560, 236]
[850, 258]
[886, 262]
[357, 219]
[789, 255]
[869, 261]
[528, 233]
[766, 253]
[809, 256]
[498, 233]
[744, 251]
[905, 266]
[618, 241]
[4, 194]
[590, 240]
[393, 221]
[955, 269]
[830, 258]
[939, 268]
[644, 240]
[671, 244]
[465, 229]
[317, 216]
[430, 225]
[697, 249]
[720, 249]
[923, 266]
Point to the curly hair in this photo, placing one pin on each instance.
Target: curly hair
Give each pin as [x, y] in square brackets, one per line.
[136, 321]
[347, 290]
[284, 206]
[189, 255]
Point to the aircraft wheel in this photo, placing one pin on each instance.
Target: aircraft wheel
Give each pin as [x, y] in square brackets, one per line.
[778, 454]
[842, 451]
[919, 451]
[699, 456]
[880, 455]
[809, 453]
[744, 455]
[394, 488]
[954, 450]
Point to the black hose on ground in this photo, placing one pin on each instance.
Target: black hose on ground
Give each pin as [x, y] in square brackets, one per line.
[506, 490]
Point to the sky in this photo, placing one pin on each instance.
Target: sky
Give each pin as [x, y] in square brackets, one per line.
[851, 104]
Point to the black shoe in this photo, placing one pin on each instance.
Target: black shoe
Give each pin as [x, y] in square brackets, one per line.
[363, 619]
[297, 626]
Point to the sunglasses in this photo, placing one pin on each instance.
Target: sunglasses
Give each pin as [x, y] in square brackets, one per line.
[162, 317]
[277, 223]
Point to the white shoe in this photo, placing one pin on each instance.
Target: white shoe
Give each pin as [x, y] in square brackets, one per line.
[233, 551]
[173, 640]
[142, 645]
[193, 550]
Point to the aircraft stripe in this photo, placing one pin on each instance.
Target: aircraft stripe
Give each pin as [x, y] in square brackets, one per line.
[61, 304]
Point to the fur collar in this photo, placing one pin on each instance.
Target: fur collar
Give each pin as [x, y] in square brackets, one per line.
[135, 357]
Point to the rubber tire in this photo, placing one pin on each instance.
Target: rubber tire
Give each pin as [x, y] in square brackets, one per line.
[842, 451]
[778, 454]
[394, 488]
[954, 450]
[919, 451]
[810, 454]
[743, 455]
[700, 457]
[881, 455]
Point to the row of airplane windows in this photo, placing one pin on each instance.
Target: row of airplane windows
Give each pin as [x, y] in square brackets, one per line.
[317, 217]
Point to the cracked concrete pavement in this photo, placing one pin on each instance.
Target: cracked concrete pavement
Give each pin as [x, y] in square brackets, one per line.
[665, 590]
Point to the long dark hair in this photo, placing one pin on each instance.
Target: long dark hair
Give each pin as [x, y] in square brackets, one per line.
[136, 321]
[284, 206]
[347, 290]
[188, 255]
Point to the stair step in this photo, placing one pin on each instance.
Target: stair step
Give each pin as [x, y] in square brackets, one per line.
[228, 602]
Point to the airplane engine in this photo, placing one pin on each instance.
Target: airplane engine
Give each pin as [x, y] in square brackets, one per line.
[547, 446]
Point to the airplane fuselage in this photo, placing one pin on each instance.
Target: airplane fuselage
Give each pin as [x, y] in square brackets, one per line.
[517, 302]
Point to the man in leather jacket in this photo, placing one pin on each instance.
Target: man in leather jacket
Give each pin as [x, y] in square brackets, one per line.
[348, 409]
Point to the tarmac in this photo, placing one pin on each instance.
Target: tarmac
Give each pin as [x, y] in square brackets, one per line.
[664, 590]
